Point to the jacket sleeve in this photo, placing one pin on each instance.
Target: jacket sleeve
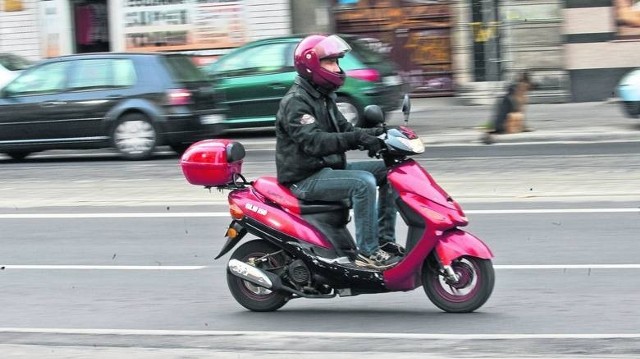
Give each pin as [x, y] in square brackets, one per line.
[305, 129]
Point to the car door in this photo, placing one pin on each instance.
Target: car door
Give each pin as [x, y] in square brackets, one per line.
[31, 105]
[95, 86]
[254, 80]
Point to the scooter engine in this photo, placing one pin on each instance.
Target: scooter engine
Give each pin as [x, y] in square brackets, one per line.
[299, 273]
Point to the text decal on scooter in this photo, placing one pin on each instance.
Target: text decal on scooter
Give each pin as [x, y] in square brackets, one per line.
[256, 209]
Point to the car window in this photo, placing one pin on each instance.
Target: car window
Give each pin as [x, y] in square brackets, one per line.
[258, 59]
[13, 62]
[48, 78]
[362, 50]
[182, 69]
[102, 73]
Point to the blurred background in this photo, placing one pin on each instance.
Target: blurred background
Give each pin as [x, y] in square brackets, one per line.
[574, 50]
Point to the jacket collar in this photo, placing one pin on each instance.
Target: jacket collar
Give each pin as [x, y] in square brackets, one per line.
[313, 90]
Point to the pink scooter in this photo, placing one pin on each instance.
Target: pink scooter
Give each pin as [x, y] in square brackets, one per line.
[304, 249]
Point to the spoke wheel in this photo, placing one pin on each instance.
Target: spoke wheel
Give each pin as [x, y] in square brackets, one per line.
[474, 286]
[249, 295]
[134, 137]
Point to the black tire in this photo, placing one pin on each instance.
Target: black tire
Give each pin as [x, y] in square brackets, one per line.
[134, 137]
[350, 110]
[179, 148]
[247, 294]
[474, 288]
[18, 155]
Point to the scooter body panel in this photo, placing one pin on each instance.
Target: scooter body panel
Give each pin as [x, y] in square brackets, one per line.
[410, 177]
[291, 225]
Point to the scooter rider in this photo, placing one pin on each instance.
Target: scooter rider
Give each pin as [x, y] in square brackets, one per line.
[312, 138]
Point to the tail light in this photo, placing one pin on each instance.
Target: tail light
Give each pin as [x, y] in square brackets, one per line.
[369, 75]
[235, 211]
[178, 97]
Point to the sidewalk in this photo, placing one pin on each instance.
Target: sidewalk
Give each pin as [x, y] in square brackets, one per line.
[451, 123]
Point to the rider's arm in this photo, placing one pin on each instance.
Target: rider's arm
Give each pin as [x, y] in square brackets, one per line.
[309, 132]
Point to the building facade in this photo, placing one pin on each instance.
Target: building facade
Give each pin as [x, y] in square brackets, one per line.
[600, 46]
[40, 29]
[575, 50]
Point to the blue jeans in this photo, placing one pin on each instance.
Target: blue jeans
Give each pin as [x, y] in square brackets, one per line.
[357, 182]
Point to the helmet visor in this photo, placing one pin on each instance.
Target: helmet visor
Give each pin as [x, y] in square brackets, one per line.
[331, 47]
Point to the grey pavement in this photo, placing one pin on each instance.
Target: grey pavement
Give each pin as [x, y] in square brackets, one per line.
[451, 123]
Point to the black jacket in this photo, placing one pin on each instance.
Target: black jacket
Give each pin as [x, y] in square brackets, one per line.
[311, 133]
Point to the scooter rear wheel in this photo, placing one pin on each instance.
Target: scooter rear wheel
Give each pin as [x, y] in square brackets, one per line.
[249, 295]
[470, 292]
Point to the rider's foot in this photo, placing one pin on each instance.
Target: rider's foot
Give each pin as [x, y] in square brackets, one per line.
[378, 259]
[393, 248]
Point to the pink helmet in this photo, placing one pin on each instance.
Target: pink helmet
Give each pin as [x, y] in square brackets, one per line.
[314, 48]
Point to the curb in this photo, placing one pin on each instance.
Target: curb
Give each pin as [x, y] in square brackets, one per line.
[586, 135]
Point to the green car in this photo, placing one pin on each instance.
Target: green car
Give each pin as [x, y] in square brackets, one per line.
[255, 77]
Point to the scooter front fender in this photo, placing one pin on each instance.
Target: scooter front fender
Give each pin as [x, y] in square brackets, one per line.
[458, 243]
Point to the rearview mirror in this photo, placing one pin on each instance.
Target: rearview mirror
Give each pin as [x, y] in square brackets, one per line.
[373, 115]
[406, 107]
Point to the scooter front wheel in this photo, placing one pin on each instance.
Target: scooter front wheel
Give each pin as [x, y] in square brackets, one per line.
[252, 296]
[469, 292]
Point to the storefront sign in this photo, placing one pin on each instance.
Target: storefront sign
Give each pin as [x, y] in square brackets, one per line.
[166, 25]
[416, 34]
[13, 5]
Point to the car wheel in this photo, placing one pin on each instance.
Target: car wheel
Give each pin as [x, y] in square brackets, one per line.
[135, 137]
[179, 148]
[349, 110]
[18, 155]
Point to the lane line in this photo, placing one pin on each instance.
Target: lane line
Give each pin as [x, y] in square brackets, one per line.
[113, 215]
[226, 214]
[264, 334]
[191, 268]
[554, 210]
[99, 267]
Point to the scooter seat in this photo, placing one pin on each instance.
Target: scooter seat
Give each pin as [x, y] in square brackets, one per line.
[275, 192]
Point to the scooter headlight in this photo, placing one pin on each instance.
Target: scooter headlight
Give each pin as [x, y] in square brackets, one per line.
[415, 145]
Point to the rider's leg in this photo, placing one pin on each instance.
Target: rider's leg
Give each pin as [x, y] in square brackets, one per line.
[387, 211]
[336, 185]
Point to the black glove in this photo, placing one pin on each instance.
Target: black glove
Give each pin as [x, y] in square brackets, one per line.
[371, 143]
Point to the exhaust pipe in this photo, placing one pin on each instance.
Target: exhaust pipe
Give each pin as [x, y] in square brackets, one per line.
[264, 279]
[250, 273]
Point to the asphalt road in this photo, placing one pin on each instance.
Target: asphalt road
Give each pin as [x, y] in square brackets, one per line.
[105, 258]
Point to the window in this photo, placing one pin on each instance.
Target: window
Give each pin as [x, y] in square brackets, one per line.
[102, 73]
[259, 59]
[183, 69]
[14, 62]
[49, 78]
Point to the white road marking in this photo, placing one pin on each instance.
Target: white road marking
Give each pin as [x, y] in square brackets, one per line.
[554, 210]
[566, 266]
[264, 334]
[186, 268]
[97, 267]
[113, 215]
[226, 214]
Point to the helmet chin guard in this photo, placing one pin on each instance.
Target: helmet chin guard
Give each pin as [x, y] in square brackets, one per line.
[314, 48]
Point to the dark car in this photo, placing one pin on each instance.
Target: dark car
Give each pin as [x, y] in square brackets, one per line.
[255, 77]
[131, 102]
